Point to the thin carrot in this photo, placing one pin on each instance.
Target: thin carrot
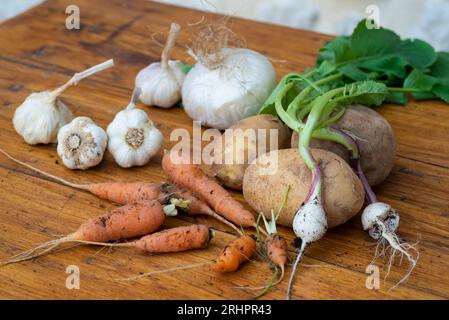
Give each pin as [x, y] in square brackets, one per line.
[234, 254]
[179, 170]
[128, 192]
[129, 221]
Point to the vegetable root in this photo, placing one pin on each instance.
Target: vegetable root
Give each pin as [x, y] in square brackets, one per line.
[396, 246]
[124, 222]
[179, 170]
[127, 192]
[234, 254]
[276, 248]
[298, 259]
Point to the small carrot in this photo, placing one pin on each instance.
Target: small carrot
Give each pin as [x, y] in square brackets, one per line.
[179, 170]
[276, 248]
[275, 245]
[234, 254]
[129, 221]
[195, 236]
[128, 192]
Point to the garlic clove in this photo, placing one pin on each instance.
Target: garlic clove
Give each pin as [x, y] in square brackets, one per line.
[81, 143]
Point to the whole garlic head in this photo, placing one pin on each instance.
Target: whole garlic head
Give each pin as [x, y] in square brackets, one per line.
[161, 82]
[161, 86]
[133, 138]
[81, 143]
[39, 118]
[231, 92]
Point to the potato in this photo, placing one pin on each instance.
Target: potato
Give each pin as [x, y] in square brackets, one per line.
[375, 138]
[343, 193]
[237, 149]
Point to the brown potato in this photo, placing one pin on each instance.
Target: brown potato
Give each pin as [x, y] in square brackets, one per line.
[236, 149]
[343, 193]
[375, 138]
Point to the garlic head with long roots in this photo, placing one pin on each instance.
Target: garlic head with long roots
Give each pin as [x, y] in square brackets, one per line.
[81, 143]
[39, 118]
[161, 82]
[133, 137]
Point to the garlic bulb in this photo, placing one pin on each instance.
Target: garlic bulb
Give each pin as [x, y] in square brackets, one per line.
[236, 89]
[81, 143]
[161, 82]
[133, 138]
[39, 118]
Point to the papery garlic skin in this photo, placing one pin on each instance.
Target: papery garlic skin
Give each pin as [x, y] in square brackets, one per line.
[235, 90]
[133, 138]
[161, 87]
[81, 143]
[39, 118]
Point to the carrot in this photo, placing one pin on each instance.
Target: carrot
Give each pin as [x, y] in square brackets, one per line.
[196, 236]
[234, 254]
[196, 206]
[276, 248]
[128, 192]
[179, 170]
[129, 221]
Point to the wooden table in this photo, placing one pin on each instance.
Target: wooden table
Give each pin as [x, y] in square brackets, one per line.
[39, 53]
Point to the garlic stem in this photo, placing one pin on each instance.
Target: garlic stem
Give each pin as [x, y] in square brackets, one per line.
[134, 97]
[77, 77]
[169, 45]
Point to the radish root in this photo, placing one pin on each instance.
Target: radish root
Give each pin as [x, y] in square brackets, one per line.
[295, 266]
[391, 242]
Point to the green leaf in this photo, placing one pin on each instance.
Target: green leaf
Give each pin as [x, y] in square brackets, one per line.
[374, 52]
[418, 54]
[368, 93]
[435, 82]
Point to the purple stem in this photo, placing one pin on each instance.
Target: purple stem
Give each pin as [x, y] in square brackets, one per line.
[316, 177]
[357, 167]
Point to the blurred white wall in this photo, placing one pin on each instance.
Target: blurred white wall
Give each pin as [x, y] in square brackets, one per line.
[426, 19]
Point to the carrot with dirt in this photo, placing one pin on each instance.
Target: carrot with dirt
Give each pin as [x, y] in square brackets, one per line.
[129, 221]
[180, 171]
[238, 251]
[129, 192]
[178, 239]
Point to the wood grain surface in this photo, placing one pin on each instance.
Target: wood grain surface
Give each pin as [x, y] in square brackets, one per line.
[38, 53]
